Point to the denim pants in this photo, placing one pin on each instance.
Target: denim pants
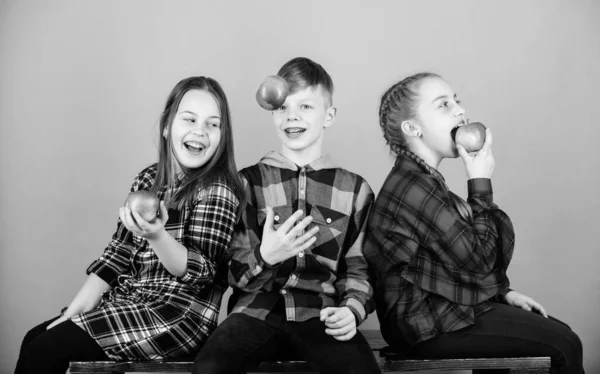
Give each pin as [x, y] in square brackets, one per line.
[50, 351]
[242, 342]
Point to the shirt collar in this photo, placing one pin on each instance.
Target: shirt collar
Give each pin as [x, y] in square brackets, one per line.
[278, 160]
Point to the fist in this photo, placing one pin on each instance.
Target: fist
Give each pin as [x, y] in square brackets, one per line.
[471, 136]
[145, 203]
[272, 92]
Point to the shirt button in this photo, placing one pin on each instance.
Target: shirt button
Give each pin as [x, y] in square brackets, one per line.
[301, 254]
[328, 220]
[276, 218]
[294, 276]
[283, 292]
[302, 190]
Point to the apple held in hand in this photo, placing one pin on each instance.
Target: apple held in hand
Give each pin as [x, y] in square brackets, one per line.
[272, 92]
[145, 203]
[471, 136]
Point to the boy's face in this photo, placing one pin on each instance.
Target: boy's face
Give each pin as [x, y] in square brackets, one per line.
[301, 121]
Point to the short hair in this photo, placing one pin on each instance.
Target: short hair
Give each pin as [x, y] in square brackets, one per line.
[302, 72]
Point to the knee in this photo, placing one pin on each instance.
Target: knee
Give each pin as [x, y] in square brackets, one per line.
[205, 365]
[571, 352]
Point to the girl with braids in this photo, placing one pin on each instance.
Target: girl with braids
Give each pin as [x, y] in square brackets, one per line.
[440, 262]
[156, 291]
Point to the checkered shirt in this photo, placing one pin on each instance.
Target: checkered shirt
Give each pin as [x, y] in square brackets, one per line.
[149, 313]
[333, 271]
[435, 271]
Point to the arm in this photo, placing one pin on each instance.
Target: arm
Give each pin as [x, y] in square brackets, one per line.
[86, 299]
[210, 227]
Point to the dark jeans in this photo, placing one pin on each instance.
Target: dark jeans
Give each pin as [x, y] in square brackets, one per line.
[507, 331]
[242, 342]
[50, 351]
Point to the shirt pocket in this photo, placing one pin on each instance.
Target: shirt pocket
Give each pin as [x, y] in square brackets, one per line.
[333, 226]
[281, 214]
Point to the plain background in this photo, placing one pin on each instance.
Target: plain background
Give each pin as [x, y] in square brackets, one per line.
[82, 85]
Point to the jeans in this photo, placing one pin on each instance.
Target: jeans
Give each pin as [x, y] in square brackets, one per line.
[50, 351]
[507, 331]
[242, 342]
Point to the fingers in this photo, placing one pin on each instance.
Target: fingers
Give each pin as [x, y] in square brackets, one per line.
[326, 312]
[462, 152]
[269, 219]
[538, 307]
[344, 333]
[288, 225]
[487, 145]
[164, 213]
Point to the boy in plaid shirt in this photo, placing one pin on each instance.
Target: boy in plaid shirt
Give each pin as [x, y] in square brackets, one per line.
[297, 268]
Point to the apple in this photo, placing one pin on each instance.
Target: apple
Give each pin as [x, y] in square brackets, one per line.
[272, 92]
[145, 203]
[471, 136]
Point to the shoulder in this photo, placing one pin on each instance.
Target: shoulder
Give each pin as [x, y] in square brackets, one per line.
[349, 181]
[145, 178]
[219, 189]
[410, 188]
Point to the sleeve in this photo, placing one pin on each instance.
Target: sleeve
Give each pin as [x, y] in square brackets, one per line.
[422, 239]
[210, 229]
[117, 255]
[247, 270]
[353, 282]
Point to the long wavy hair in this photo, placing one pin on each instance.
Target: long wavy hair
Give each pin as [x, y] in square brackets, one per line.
[399, 103]
[220, 166]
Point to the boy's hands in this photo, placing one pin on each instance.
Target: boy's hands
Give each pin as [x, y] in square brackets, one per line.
[524, 302]
[482, 163]
[56, 322]
[340, 322]
[287, 241]
[137, 225]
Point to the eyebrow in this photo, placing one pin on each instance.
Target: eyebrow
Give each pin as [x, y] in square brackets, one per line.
[443, 97]
[190, 112]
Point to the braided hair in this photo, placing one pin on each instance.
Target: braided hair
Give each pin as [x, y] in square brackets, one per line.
[398, 104]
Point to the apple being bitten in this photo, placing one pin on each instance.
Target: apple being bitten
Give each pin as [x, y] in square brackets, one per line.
[145, 203]
[272, 92]
[471, 136]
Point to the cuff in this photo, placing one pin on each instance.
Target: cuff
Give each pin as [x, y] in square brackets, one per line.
[260, 262]
[479, 186]
[357, 308]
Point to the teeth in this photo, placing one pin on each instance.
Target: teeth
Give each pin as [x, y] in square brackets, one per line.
[193, 144]
[294, 130]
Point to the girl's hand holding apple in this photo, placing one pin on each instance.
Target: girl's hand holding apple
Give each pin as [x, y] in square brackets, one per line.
[482, 163]
[140, 216]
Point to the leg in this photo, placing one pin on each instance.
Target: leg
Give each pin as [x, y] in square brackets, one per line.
[506, 331]
[32, 334]
[329, 355]
[52, 350]
[239, 344]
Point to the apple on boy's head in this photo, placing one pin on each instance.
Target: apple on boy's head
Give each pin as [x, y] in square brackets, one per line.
[145, 203]
[471, 136]
[272, 92]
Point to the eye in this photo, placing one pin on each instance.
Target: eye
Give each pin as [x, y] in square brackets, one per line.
[458, 101]
[305, 106]
[190, 119]
[444, 103]
[214, 124]
[281, 108]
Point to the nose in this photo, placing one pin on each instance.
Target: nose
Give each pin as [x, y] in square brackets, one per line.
[460, 111]
[199, 130]
[292, 114]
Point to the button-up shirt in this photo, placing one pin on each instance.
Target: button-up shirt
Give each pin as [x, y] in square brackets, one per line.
[333, 270]
[435, 270]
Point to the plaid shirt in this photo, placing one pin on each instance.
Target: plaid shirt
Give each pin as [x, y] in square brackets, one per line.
[333, 271]
[149, 313]
[435, 271]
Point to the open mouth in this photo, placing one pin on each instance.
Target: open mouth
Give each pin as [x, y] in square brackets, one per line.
[454, 129]
[294, 130]
[194, 147]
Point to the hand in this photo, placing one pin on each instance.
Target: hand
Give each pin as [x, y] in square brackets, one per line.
[340, 322]
[482, 163]
[524, 302]
[288, 240]
[56, 322]
[137, 225]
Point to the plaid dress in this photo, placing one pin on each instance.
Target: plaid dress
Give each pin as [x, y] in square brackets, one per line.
[333, 271]
[150, 314]
[435, 271]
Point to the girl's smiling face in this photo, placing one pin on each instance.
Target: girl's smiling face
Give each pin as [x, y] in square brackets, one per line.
[438, 112]
[196, 130]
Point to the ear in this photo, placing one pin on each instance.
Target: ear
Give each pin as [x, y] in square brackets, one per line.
[410, 128]
[330, 116]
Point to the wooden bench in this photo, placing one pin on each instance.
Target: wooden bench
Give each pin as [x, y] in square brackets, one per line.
[387, 362]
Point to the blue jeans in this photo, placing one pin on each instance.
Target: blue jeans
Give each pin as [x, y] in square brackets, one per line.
[242, 342]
